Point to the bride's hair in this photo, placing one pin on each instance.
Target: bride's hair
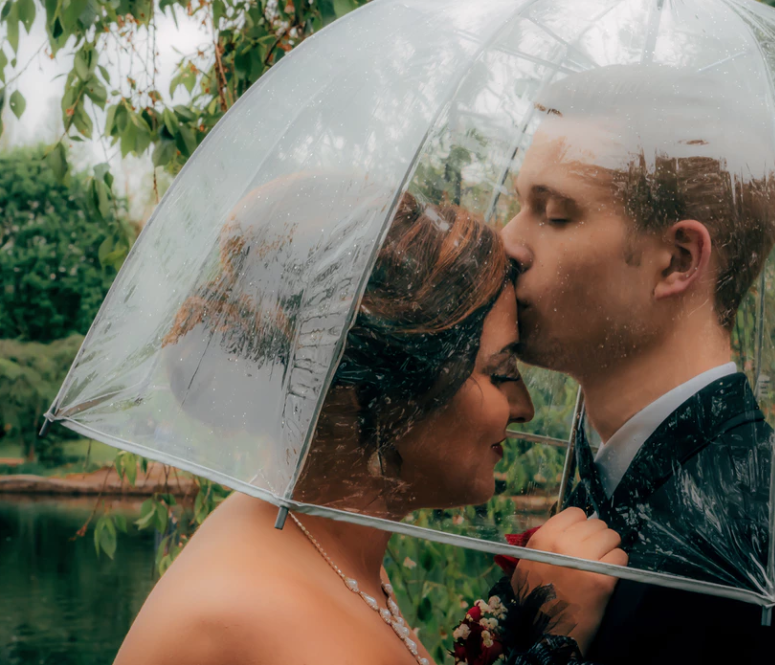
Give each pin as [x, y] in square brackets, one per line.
[417, 333]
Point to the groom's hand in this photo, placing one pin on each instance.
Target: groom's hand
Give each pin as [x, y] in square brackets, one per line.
[586, 594]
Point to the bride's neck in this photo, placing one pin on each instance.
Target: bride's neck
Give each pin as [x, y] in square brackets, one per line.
[357, 550]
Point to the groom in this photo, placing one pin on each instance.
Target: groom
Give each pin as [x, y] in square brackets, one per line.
[647, 212]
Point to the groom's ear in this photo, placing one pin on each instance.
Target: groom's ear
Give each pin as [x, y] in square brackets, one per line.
[685, 258]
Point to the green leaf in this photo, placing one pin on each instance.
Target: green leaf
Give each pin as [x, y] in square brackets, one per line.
[128, 139]
[165, 563]
[105, 248]
[105, 74]
[219, 9]
[56, 29]
[81, 65]
[143, 139]
[82, 121]
[97, 92]
[3, 63]
[17, 103]
[425, 610]
[184, 113]
[199, 507]
[147, 514]
[108, 538]
[57, 161]
[164, 153]
[121, 523]
[186, 141]
[105, 536]
[110, 120]
[342, 7]
[100, 170]
[89, 13]
[427, 560]
[12, 28]
[130, 465]
[162, 518]
[69, 13]
[26, 13]
[162, 549]
[170, 121]
[6, 10]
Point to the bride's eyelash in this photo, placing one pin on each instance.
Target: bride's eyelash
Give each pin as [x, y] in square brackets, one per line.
[505, 378]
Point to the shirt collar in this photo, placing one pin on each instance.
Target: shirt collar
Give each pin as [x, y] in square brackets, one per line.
[614, 457]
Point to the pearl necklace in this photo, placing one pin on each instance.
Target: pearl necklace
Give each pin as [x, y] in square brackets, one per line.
[391, 616]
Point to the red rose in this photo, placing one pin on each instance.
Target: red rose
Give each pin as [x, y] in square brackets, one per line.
[474, 613]
[508, 564]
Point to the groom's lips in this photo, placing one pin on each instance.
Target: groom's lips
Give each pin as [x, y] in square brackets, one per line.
[498, 448]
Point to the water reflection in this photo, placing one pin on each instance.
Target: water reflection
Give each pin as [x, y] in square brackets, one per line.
[61, 604]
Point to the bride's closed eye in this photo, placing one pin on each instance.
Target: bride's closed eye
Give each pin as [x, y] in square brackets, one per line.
[503, 367]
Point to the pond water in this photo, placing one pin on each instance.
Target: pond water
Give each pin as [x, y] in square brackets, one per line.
[60, 604]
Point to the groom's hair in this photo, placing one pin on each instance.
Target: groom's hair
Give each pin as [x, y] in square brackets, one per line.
[696, 146]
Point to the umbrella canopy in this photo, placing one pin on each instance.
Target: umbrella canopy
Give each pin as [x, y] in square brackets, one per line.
[316, 277]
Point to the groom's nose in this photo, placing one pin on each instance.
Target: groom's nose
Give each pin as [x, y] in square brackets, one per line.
[520, 254]
[516, 249]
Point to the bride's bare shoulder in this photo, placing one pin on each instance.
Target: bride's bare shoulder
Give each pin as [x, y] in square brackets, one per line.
[223, 599]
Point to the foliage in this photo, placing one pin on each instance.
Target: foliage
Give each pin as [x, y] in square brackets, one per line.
[51, 249]
[30, 376]
[249, 37]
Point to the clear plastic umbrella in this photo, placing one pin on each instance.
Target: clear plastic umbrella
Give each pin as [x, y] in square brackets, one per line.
[251, 291]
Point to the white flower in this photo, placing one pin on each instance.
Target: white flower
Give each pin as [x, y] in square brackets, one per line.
[484, 607]
[408, 563]
[486, 639]
[461, 632]
[294, 33]
[489, 624]
[497, 607]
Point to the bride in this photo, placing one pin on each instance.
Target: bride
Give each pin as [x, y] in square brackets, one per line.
[415, 418]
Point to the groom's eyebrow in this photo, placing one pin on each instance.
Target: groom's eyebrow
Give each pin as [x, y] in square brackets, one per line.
[546, 192]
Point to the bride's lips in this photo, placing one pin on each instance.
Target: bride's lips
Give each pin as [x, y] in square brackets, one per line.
[498, 448]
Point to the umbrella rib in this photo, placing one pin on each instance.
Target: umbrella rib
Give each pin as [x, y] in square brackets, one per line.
[564, 42]
[734, 56]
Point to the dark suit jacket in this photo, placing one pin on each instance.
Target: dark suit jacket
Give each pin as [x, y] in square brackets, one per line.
[694, 502]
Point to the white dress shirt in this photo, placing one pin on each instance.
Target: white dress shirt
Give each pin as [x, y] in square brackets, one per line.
[615, 456]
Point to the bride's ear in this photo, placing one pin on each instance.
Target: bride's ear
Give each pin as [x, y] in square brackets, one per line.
[685, 258]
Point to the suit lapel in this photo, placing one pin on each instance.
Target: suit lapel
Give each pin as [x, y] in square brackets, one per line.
[594, 494]
[693, 425]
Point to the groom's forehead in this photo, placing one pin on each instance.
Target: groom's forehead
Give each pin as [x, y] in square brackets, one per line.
[569, 162]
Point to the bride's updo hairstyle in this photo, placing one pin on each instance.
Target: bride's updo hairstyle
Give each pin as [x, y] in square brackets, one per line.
[419, 326]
